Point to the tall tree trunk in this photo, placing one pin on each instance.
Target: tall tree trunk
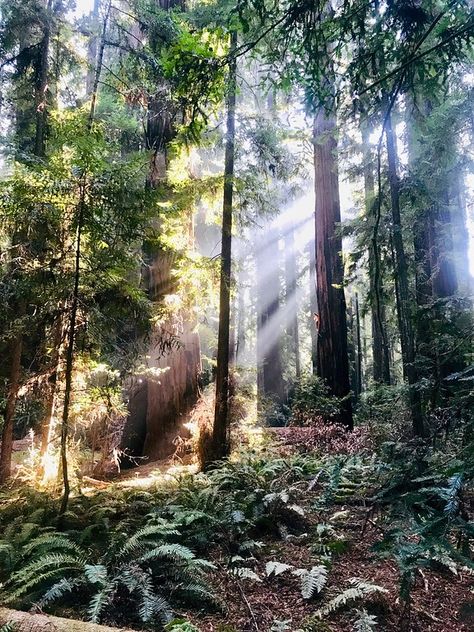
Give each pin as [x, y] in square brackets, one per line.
[158, 407]
[92, 47]
[403, 296]
[16, 347]
[313, 307]
[358, 347]
[333, 364]
[220, 446]
[74, 304]
[380, 346]
[270, 382]
[12, 393]
[292, 329]
[42, 89]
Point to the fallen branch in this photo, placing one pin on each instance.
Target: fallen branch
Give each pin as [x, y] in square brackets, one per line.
[26, 622]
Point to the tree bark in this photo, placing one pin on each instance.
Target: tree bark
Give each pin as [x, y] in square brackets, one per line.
[26, 622]
[220, 446]
[380, 346]
[333, 364]
[313, 307]
[292, 329]
[72, 319]
[7, 431]
[270, 382]
[358, 347]
[403, 296]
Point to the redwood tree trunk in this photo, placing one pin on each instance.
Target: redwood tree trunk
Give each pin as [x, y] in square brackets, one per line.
[7, 431]
[403, 296]
[220, 446]
[292, 330]
[380, 346]
[313, 307]
[333, 364]
[270, 383]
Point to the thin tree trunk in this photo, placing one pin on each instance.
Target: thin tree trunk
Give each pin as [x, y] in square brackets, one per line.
[7, 431]
[333, 364]
[221, 431]
[380, 346]
[270, 383]
[403, 297]
[42, 91]
[358, 347]
[292, 330]
[50, 403]
[71, 334]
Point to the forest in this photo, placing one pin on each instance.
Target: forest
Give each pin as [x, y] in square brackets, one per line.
[236, 315]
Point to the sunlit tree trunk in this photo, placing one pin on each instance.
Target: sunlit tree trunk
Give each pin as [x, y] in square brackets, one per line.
[74, 302]
[270, 382]
[16, 346]
[333, 364]
[358, 347]
[12, 393]
[292, 329]
[403, 294]
[220, 441]
[380, 346]
[158, 405]
[313, 307]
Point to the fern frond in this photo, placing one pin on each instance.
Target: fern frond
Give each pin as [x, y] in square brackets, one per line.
[96, 573]
[50, 542]
[245, 573]
[359, 590]
[365, 622]
[313, 581]
[276, 568]
[176, 552]
[100, 600]
[58, 590]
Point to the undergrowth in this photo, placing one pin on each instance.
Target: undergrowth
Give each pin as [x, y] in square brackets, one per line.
[141, 557]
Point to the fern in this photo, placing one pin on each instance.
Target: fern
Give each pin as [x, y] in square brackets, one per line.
[246, 573]
[276, 568]
[312, 581]
[58, 590]
[359, 590]
[365, 622]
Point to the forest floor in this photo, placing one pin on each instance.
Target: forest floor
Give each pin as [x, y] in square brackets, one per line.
[441, 600]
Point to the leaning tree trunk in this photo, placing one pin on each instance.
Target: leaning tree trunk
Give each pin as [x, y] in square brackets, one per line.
[407, 339]
[333, 363]
[220, 442]
[26, 622]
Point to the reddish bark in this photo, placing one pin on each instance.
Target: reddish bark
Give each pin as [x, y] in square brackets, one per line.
[333, 364]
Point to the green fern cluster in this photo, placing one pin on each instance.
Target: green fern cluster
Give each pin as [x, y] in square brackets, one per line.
[145, 570]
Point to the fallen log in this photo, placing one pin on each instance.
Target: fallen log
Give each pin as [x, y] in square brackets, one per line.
[26, 622]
